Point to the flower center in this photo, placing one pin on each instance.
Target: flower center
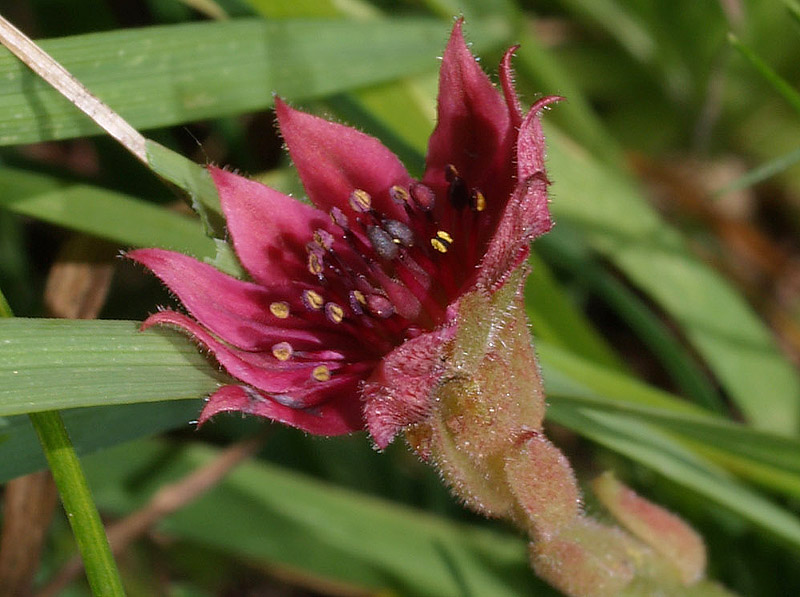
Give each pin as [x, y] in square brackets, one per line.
[380, 280]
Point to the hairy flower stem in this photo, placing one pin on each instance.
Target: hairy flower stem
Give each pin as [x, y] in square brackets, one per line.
[485, 435]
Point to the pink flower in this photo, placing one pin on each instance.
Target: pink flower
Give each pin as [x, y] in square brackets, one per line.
[352, 302]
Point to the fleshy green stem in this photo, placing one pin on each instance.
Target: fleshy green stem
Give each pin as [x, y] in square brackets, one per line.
[101, 569]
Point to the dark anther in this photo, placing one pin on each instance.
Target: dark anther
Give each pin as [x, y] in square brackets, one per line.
[382, 242]
[423, 196]
[400, 233]
[457, 193]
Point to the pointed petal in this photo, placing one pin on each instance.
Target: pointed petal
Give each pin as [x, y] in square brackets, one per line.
[472, 131]
[507, 83]
[337, 415]
[236, 311]
[530, 142]
[526, 215]
[262, 369]
[269, 229]
[333, 160]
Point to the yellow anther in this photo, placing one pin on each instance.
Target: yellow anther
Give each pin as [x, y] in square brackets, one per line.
[282, 351]
[314, 263]
[360, 201]
[399, 194]
[450, 172]
[360, 297]
[313, 299]
[279, 309]
[442, 241]
[335, 312]
[479, 201]
[321, 373]
[323, 238]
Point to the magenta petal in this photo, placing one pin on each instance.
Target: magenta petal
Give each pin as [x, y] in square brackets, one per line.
[507, 83]
[530, 142]
[236, 311]
[333, 160]
[472, 132]
[525, 217]
[399, 392]
[339, 414]
[269, 229]
[259, 369]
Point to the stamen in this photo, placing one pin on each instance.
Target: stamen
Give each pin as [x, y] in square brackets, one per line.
[279, 309]
[313, 300]
[423, 196]
[360, 201]
[457, 193]
[334, 312]
[442, 241]
[357, 301]
[321, 373]
[380, 306]
[400, 233]
[282, 351]
[338, 218]
[382, 242]
[477, 201]
[315, 263]
[323, 238]
[399, 195]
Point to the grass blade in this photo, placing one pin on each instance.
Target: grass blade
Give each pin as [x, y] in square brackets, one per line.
[100, 212]
[778, 83]
[186, 72]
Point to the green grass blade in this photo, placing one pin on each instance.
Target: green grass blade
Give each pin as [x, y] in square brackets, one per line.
[604, 206]
[765, 458]
[770, 460]
[263, 512]
[647, 445]
[762, 173]
[90, 429]
[101, 212]
[73, 489]
[793, 6]
[556, 320]
[778, 83]
[542, 73]
[194, 180]
[567, 250]
[51, 363]
[186, 72]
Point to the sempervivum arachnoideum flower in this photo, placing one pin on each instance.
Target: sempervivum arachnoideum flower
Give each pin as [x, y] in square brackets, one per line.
[395, 305]
[374, 268]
